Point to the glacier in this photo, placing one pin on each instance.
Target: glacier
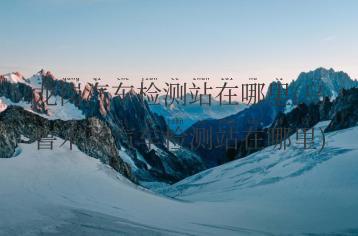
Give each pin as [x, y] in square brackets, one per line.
[271, 192]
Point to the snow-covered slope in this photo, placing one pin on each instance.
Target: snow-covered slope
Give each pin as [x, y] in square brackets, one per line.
[67, 111]
[268, 193]
[64, 192]
[286, 191]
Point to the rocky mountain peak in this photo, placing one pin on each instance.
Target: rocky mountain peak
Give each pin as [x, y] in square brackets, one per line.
[92, 136]
[312, 86]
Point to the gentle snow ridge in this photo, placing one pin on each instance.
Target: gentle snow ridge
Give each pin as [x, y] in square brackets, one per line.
[268, 193]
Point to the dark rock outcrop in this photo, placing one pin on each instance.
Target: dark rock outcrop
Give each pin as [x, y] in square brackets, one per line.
[17, 92]
[91, 135]
[235, 128]
[132, 124]
[311, 86]
[307, 93]
[344, 112]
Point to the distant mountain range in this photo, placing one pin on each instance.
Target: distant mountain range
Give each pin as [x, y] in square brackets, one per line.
[179, 117]
[309, 88]
[136, 144]
[260, 192]
[137, 140]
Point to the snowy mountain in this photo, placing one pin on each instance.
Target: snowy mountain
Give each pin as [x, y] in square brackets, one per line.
[313, 86]
[140, 136]
[15, 77]
[49, 192]
[282, 192]
[310, 88]
[17, 90]
[232, 128]
[292, 192]
[97, 188]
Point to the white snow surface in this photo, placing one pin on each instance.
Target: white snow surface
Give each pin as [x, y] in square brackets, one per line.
[64, 192]
[3, 106]
[14, 77]
[67, 111]
[292, 192]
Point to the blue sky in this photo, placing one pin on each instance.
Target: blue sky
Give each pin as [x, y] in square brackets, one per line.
[185, 39]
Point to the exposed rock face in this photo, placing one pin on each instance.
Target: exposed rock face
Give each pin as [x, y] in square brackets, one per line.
[325, 108]
[311, 93]
[8, 141]
[135, 117]
[141, 134]
[344, 112]
[236, 127]
[135, 129]
[311, 86]
[133, 126]
[91, 135]
[17, 92]
[303, 116]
